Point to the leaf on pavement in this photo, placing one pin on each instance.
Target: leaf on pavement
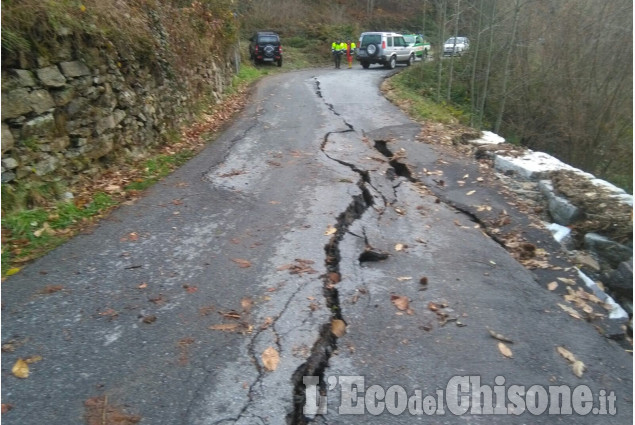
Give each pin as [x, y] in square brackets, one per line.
[566, 354]
[338, 327]
[242, 263]
[330, 230]
[33, 359]
[471, 192]
[226, 327]
[401, 302]
[268, 322]
[334, 277]
[299, 267]
[566, 281]
[404, 278]
[190, 289]
[131, 237]
[12, 271]
[571, 311]
[552, 285]
[100, 412]
[578, 368]
[505, 350]
[499, 337]
[50, 289]
[270, 358]
[20, 369]
[230, 314]
[246, 303]
[399, 247]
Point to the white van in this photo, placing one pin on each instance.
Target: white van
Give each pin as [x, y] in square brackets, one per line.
[386, 48]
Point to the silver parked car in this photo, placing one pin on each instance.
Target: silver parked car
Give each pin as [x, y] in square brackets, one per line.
[456, 46]
[386, 48]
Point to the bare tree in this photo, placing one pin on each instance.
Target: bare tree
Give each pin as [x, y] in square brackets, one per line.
[506, 67]
[486, 73]
[441, 8]
[457, 13]
[475, 58]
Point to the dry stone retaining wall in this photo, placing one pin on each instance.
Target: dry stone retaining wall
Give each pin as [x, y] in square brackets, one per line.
[91, 107]
[603, 257]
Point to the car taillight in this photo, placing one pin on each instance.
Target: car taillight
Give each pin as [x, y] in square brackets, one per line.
[280, 48]
[256, 49]
[383, 44]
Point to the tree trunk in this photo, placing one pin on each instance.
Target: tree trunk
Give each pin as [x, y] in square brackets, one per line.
[441, 10]
[506, 70]
[456, 34]
[488, 67]
[477, 44]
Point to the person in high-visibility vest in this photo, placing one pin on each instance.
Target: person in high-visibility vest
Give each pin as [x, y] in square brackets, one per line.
[337, 48]
[350, 51]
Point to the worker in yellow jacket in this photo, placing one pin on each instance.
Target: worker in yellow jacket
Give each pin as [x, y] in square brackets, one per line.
[350, 52]
[337, 49]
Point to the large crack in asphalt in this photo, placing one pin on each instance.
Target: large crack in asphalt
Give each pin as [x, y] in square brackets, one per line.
[403, 170]
[326, 343]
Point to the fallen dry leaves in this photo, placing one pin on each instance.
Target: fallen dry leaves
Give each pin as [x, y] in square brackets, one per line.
[227, 327]
[330, 230]
[299, 266]
[50, 289]
[99, 412]
[270, 359]
[338, 327]
[242, 263]
[401, 302]
[499, 336]
[20, 369]
[577, 366]
[505, 350]
[572, 312]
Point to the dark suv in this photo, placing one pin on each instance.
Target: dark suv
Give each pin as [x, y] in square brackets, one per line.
[264, 46]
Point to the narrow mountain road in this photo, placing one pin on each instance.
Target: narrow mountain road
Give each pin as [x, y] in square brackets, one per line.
[306, 241]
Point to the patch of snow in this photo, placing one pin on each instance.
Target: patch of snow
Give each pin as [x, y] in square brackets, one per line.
[488, 138]
[625, 199]
[606, 185]
[617, 312]
[537, 165]
[532, 165]
[559, 232]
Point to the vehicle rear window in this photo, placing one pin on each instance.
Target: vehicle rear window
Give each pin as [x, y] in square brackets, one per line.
[371, 39]
[268, 39]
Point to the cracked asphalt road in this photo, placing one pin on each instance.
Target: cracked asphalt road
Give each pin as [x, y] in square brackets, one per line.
[167, 306]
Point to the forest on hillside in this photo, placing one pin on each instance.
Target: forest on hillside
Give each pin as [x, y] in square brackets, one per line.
[552, 75]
